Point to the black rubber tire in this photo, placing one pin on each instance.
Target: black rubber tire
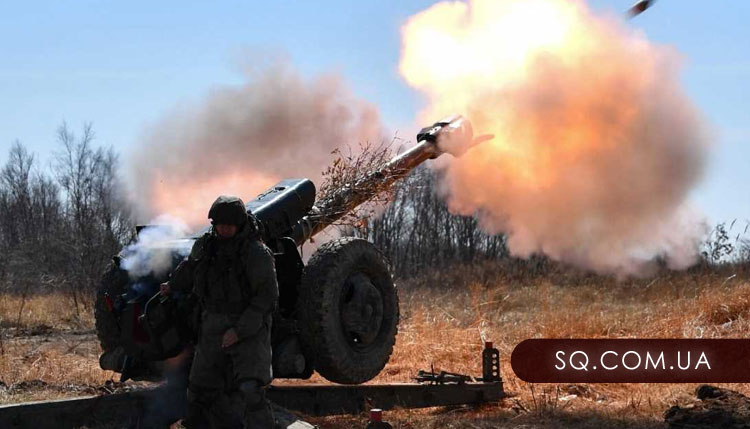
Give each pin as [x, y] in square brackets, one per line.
[114, 281]
[320, 306]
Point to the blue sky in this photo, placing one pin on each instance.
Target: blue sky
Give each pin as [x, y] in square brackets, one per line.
[124, 65]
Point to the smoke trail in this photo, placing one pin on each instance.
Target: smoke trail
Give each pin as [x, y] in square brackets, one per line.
[596, 147]
[241, 140]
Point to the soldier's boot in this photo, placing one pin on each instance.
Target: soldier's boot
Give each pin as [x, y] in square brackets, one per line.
[112, 360]
[198, 407]
[137, 370]
[258, 413]
[128, 366]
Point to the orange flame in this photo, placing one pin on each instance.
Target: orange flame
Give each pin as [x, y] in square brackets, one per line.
[465, 56]
[595, 145]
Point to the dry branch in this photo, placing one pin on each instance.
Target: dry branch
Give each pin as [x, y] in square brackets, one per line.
[348, 173]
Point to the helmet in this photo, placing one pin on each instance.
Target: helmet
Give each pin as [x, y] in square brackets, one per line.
[228, 210]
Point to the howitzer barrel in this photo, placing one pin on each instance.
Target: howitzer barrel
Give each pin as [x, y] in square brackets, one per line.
[453, 135]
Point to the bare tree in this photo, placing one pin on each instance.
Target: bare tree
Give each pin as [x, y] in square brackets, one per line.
[25, 205]
[16, 181]
[97, 218]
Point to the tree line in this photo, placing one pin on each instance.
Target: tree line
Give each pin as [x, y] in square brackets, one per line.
[417, 232]
[61, 223]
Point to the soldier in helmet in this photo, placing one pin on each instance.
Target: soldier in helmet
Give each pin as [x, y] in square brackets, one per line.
[232, 274]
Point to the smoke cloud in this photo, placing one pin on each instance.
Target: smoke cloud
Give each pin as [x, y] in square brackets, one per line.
[152, 253]
[596, 144]
[241, 140]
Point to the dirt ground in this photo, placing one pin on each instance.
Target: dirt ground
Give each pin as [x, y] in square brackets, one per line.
[50, 351]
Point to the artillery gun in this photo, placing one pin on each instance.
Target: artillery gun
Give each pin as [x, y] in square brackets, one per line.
[338, 314]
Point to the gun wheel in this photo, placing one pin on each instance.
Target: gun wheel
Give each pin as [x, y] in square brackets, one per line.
[348, 311]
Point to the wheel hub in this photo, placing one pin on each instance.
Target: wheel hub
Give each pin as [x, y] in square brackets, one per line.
[362, 310]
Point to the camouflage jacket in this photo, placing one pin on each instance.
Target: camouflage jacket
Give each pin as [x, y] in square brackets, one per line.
[234, 277]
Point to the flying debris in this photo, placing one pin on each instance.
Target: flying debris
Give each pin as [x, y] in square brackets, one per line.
[640, 7]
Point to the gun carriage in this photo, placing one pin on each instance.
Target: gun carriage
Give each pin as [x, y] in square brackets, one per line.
[338, 314]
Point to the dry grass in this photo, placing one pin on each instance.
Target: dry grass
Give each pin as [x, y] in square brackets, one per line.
[445, 326]
[48, 350]
[49, 366]
[41, 313]
[445, 319]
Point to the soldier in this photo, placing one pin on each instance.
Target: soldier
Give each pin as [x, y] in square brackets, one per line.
[232, 273]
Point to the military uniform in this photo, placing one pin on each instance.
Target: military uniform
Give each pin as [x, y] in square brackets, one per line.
[235, 282]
